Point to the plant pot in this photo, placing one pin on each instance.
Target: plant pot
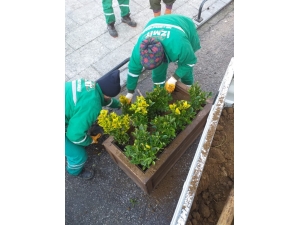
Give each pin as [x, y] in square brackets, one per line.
[149, 179]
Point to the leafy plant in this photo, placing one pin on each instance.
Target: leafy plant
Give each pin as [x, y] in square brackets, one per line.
[183, 113]
[198, 97]
[143, 151]
[125, 105]
[158, 101]
[115, 125]
[165, 126]
[133, 201]
[139, 112]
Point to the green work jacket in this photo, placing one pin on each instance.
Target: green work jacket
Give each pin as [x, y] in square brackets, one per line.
[178, 35]
[83, 103]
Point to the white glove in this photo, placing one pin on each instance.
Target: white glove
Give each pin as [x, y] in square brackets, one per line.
[129, 97]
[170, 84]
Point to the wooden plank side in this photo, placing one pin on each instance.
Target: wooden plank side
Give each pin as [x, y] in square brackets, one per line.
[226, 216]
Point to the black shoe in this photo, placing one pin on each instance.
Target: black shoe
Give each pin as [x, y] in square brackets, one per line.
[112, 30]
[86, 174]
[127, 19]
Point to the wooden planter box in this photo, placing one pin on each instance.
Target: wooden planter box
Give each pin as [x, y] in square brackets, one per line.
[149, 179]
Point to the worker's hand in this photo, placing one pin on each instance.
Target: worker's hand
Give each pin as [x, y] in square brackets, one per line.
[118, 104]
[170, 84]
[95, 138]
[129, 97]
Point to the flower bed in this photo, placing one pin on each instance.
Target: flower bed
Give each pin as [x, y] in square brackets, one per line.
[147, 175]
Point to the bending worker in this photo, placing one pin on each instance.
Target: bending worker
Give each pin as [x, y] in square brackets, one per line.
[165, 39]
[83, 102]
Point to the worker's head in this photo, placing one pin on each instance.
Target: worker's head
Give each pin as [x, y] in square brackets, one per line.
[152, 53]
[110, 83]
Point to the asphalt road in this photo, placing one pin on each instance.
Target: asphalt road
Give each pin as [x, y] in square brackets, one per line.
[112, 197]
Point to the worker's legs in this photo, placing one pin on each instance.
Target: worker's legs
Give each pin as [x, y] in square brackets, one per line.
[159, 74]
[109, 17]
[76, 157]
[125, 13]
[188, 79]
[169, 5]
[124, 7]
[156, 7]
[169, 2]
[108, 11]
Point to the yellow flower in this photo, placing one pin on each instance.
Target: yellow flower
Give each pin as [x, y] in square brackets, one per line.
[172, 106]
[103, 113]
[186, 105]
[115, 123]
[140, 106]
[147, 146]
[177, 111]
[113, 115]
[123, 100]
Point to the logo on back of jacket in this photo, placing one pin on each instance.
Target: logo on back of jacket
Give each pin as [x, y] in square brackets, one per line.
[161, 33]
[89, 85]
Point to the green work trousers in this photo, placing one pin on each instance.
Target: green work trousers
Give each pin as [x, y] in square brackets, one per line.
[159, 75]
[109, 11]
[76, 157]
[156, 4]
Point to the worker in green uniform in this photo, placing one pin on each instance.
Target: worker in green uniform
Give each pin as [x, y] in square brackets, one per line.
[84, 100]
[165, 39]
[110, 16]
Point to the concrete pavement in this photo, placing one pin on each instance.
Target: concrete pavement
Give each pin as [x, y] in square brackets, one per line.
[90, 52]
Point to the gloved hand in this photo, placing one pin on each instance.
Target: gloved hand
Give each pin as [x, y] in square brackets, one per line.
[129, 97]
[119, 104]
[170, 84]
[95, 138]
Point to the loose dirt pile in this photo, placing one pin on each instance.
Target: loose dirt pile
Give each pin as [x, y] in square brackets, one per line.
[218, 175]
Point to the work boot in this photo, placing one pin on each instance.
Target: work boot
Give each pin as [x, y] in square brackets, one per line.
[86, 174]
[127, 19]
[112, 30]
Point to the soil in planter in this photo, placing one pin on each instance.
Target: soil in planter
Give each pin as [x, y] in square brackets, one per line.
[218, 175]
